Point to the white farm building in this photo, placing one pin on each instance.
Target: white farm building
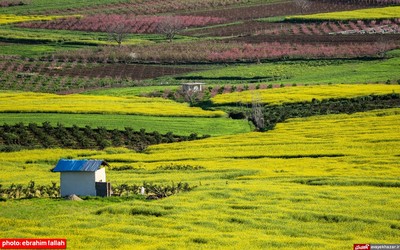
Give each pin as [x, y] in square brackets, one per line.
[83, 177]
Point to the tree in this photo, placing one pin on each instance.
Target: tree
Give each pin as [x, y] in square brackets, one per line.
[190, 96]
[257, 114]
[170, 26]
[383, 46]
[303, 5]
[118, 32]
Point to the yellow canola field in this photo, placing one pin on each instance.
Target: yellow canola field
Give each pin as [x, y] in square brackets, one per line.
[361, 144]
[372, 13]
[9, 18]
[305, 93]
[367, 143]
[51, 103]
[322, 182]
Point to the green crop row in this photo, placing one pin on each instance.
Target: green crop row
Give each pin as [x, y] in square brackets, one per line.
[37, 50]
[177, 125]
[318, 72]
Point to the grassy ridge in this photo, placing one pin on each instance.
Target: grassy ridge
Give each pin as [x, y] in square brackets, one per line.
[363, 14]
[303, 185]
[177, 125]
[306, 93]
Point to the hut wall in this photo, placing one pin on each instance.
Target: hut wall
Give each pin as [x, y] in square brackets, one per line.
[79, 183]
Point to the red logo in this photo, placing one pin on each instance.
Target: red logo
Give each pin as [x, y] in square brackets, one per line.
[361, 247]
[33, 243]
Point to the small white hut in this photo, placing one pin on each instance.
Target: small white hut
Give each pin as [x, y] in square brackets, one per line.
[193, 86]
[83, 177]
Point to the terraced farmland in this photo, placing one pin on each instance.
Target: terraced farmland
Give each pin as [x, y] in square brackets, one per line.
[226, 124]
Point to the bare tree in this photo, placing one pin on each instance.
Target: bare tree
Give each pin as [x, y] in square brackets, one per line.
[303, 5]
[383, 46]
[118, 32]
[257, 114]
[191, 96]
[170, 26]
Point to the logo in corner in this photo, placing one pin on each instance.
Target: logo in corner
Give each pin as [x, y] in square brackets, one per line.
[361, 247]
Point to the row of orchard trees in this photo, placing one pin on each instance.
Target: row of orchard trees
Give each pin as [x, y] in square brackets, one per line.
[325, 28]
[133, 24]
[149, 7]
[216, 51]
[119, 26]
[18, 136]
[250, 52]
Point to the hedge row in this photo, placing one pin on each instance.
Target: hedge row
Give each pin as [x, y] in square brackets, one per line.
[19, 136]
[274, 114]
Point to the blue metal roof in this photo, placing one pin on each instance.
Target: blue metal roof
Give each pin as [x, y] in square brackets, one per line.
[66, 165]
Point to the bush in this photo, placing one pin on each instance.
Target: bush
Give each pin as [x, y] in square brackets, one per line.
[179, 167]
[274, 114]
[152, 191]
[237, 115]
[30, 191]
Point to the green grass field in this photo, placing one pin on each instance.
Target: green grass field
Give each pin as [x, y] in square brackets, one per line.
[318, 72]
[310, 184]
[177, 125]
[27, 50]
[135, 91]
